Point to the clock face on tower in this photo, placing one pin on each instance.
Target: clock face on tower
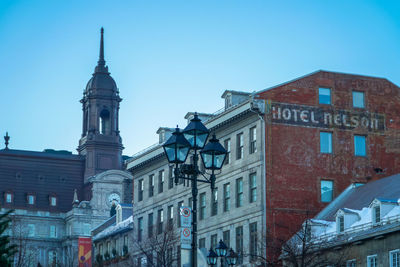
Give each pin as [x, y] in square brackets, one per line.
[114, 197]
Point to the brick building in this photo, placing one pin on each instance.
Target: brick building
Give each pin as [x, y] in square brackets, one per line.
[324, 131]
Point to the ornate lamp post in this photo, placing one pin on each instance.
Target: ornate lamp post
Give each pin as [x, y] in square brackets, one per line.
[222, 252]
[177, 148]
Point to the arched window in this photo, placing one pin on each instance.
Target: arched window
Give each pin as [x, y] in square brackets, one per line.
[104, 122]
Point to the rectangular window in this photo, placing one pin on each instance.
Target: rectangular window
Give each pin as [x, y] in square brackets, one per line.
[151, 185]
[377, 214]
[161, 181]
[202, 206]
[140, 190]
[253, 187]
[326, 191]
[214, 203]
[253, 140]
[171, 177]
[394, 257]
[8, 198]
[239, 192]
[190, 202]
[160, 221]
[213, 241]
[53, 233]
[202, 243]
[360, 146]
[351, 263]
[253, 241]
[31, 199]
[325, 142]
[227, 145]
[150, 225]
[372, 261]
[180, 204]
[53, 201]
[140, 229]
[226, 237]
[324, 95]
[227, 197]
[239, 243]
[31, 230]
[341, 224]
[239, 146]
[358, 99]
[170, 216]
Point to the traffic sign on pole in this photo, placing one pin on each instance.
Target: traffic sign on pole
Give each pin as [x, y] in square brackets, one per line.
[186, 217]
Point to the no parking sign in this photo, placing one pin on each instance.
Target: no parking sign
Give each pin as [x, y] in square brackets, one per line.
[186, 217]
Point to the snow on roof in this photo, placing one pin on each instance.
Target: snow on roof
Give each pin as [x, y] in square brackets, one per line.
[115, 228]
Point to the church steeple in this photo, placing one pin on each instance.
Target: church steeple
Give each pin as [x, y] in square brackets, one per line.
[101, 143]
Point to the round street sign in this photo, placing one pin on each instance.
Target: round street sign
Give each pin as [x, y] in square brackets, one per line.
[186, 232]
[185, 212]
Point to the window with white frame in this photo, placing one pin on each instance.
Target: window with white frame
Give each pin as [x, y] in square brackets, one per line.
[227, 145]
[340, 223]
[161, 175]
[253, 187]
[358, 99]
[376, 214]
[325, 142]
[227, 197]
[140, 190]
[239, 146]
[151, 185]
[239, 192]
[394, 257]
[351, 263]
[326, 191]
[202, 206]
[324, 95]
[253, 140]
[372, 261]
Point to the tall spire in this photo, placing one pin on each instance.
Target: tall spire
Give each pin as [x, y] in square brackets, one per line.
[101, 64]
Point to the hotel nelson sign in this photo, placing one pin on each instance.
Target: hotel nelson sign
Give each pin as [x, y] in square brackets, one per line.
[318, 117]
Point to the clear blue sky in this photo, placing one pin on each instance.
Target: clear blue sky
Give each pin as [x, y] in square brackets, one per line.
[171, 57]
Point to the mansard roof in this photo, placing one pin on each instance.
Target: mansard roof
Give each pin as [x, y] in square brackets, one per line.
[42, 174]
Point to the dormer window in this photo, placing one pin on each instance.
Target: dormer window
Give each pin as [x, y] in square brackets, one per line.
[31, 199]
[340, 224]
[8, 197]
[377, 214]
[53, 201]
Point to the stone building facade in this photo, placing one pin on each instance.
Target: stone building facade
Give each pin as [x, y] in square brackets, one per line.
[234, 213]
[59, 196]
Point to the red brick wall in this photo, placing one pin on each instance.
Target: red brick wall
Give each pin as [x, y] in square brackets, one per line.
[293, 161]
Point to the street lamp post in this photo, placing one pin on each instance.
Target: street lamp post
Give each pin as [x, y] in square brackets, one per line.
[223, 253]
[213, 154]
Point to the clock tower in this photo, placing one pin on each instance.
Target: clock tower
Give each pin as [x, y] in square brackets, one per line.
[100, 142]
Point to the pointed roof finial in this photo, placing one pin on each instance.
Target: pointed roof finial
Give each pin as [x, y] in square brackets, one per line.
[101, 64]
[101, 57]
[6, 138]
[75, 202]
